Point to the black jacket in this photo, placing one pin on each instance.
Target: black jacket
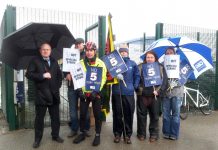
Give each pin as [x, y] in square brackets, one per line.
[47, 90]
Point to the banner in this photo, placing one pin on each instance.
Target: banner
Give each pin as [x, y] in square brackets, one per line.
[93, 78]
[151, 74]
[171, 65]
[110, 48]
[71, 56]
[185, 71]
[78, 76]
[114, 63]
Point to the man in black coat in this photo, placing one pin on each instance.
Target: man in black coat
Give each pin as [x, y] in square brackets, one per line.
[47, 76]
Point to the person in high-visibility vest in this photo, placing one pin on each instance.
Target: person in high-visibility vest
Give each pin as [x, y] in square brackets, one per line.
[91, 93]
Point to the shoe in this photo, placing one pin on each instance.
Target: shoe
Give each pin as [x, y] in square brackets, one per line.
[166, 136]
[81, 137]
[128, 140]
[172, 138]
[58, 139]
[140, 137]
[96, 141]
[152, 139]
[36, 144]
[72, 134]
[117, 139]
[87, 134]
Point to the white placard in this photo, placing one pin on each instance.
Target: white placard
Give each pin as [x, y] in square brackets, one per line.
[78, 75]
[171, 65]
[71, 56]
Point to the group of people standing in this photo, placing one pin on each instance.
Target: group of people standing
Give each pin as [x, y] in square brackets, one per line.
[46, 74]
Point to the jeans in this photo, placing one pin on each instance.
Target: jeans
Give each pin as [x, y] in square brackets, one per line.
[171, 116]
[73, 107]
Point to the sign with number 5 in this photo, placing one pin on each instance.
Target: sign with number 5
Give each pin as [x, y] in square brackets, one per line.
[93, 78]
[185, 71]
[151, 74]
[115, 63]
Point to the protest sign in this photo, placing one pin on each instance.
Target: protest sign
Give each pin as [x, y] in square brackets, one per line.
[70, 57]
[151, 74]
[171, 65]
[78, 76]
[93, 78]
[114, 63]
[185, 71]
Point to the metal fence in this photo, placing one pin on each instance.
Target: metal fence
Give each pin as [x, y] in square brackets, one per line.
[77, 24]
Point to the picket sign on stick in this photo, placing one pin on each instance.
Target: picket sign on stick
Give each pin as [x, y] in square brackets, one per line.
[78, 75]
[115, 64]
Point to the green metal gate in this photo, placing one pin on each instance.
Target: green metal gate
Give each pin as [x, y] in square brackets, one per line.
[14, 18]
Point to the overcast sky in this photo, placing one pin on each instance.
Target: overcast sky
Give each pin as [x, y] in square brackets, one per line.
[133, 17]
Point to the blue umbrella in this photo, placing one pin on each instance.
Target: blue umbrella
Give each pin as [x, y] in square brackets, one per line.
[195, 53]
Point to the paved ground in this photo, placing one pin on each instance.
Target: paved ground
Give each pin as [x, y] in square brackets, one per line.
[198, 132]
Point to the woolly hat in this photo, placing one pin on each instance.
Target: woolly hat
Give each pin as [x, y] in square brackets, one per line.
[124, 48]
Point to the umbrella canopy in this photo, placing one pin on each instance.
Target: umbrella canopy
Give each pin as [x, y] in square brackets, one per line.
[22, 45]
[195, 53]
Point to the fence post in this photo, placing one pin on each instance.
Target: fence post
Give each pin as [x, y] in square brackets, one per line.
[144, 42]
[159, 31]
[198, 36]
[8, 72]
[101, 34]
[216, 75]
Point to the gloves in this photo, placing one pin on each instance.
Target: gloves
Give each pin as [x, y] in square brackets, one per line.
[94, 95]
[120, 76]
[81, 94]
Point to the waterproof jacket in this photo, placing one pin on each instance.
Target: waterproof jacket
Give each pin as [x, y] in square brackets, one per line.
[98, 63]
[131, 78]
[47, 90]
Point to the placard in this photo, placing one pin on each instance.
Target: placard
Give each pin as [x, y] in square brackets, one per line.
[171, 65]
[115, 63]
[151, 74]
[71, 56]
[93, 78]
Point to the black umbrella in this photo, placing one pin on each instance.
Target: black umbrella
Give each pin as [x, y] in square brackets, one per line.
[22, 45]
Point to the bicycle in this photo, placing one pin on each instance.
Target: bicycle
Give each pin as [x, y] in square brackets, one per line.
[201, 102]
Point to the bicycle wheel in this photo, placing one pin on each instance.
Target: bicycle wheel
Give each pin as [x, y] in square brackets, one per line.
[206, 110]
[184, 111]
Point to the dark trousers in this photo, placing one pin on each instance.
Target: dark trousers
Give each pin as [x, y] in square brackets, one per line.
[39, 120]
[96, 106]
[128, 111]
[145, 105]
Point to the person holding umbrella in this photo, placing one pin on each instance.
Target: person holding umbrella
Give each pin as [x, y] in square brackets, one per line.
[46, 74]
[73, 96]
[95, 79]
[147, 101]
[123, 101]
[172, 94]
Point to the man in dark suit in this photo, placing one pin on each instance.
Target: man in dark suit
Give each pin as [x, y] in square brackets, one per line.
[47, 76]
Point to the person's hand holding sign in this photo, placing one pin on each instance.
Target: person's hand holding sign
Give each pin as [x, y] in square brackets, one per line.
[120, 77]
[155, 93]
[68, 77]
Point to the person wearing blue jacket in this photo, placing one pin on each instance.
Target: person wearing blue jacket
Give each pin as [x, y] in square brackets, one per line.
[123, 98]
